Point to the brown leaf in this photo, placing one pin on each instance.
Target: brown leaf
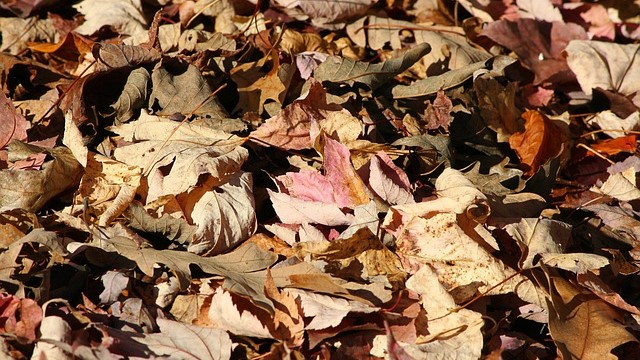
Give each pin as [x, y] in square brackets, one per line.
[32, 189]
[184, 91]
[582, 325]
[438, 114]
[540, 141]
[117, 56]
[498, 106]
[73, 47]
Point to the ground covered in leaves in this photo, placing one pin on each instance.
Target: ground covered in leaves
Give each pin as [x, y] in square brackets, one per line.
[316, 179]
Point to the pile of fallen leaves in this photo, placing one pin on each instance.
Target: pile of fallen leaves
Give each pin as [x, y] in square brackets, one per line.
[318, 179]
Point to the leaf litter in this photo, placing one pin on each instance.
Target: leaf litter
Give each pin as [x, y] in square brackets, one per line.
[319, 179]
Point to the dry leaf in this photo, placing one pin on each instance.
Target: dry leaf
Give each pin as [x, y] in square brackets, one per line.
[582, 325]
[540, 141]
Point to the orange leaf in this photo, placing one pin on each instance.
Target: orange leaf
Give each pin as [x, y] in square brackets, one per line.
[541, 141]
[615, 146]
[72, 47]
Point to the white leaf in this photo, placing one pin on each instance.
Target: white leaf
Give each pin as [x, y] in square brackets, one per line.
[125, 16]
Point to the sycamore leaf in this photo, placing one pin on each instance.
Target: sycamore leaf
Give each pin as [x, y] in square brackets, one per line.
[30, 190]
[387, 180]
[582, 325]
[537, 237]
[255, 88]
[224, 314]
[348, 188]
[194, 151]
[291, 210]
[327, 311]
[225, 215]
[619, 186]
[373, 75]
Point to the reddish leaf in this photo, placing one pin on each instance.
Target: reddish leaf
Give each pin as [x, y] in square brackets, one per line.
[538, 44]
[290, 129]
[540, 141]
[72, 47]
[19, 317]
[615, 146]
[348, 187]
[13, 125]
[437, 115]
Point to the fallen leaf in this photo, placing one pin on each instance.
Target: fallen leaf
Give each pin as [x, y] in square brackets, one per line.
[114, 283]
[605, 65]
[21, 317]
[340, 70]
[32, 189]
[176, 339]
[578, 263]
[290, 129]
[184, 92]
[225, 214]
[125, 16]
[582, 325]
[540, 141]
[450, 332]
[537, 237]
[225, 314]
[348, 188]
[538, 44]
[133, 95]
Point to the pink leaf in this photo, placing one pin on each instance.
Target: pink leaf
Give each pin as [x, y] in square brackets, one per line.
[290, 128]
[349, 190]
